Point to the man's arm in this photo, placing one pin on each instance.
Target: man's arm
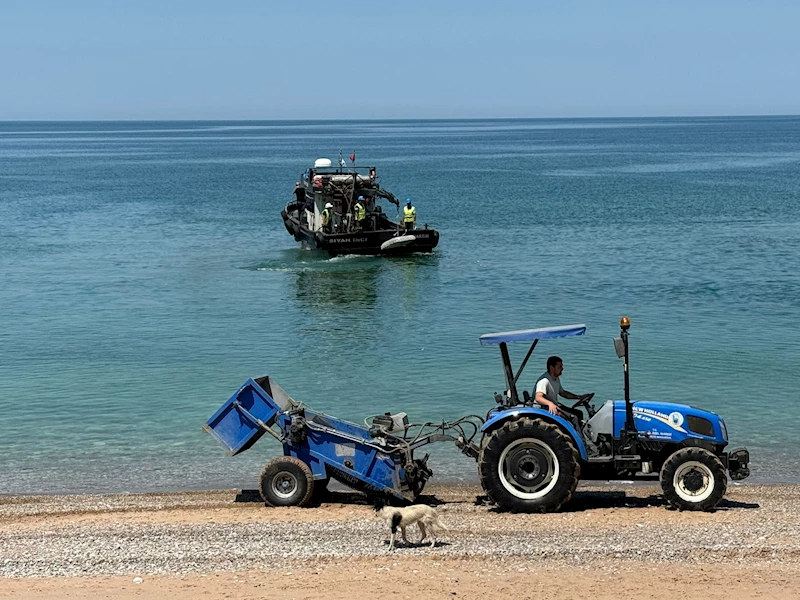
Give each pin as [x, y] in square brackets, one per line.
[551, 406]
[570, 396]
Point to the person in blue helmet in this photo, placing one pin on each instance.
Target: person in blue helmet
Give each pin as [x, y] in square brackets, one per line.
[360, 212]
[409, 216]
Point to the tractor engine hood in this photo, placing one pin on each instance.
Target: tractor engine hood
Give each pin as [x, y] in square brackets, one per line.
[664, 421]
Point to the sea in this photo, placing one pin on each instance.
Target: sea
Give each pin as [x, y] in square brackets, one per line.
[145, 274]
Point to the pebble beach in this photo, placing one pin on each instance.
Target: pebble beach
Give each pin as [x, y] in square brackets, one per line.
[215, 541]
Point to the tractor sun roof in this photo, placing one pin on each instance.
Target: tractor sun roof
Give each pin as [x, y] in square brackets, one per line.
[523, 335]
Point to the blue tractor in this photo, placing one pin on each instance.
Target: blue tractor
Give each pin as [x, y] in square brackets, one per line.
[531, 461]
[528, 459]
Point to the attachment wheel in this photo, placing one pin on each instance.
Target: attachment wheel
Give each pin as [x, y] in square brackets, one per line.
[286, 481]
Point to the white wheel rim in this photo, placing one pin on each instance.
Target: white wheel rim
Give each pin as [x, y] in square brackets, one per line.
[284, 484]
[512, 454]
[679, 481]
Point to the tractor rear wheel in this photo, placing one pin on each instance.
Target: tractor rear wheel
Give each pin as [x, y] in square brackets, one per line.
[529, 465]
[693, 479]
[286, 481]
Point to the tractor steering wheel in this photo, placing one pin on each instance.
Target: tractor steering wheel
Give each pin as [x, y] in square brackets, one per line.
[584, 401]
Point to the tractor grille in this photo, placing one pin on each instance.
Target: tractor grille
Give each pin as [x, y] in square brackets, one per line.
[650, 445]
[700, 425]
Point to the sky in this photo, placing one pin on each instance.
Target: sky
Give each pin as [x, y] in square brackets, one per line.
[264, 60]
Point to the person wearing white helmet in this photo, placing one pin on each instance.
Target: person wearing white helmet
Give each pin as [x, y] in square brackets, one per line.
[327, 217]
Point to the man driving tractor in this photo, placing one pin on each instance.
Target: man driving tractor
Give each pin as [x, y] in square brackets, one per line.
[548, 389]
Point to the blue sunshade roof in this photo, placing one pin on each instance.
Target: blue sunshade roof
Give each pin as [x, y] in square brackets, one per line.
[533, 334]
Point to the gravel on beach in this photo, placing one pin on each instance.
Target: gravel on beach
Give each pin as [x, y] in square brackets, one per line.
[604, 526]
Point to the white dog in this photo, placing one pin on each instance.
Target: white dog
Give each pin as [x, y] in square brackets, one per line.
[402, 517]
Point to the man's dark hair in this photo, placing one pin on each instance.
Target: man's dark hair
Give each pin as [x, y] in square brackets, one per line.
[553, 361]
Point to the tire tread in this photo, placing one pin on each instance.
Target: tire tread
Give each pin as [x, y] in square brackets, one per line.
[498, 439]
[700, 455]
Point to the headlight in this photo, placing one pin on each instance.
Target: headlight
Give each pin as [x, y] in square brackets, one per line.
[724, 430]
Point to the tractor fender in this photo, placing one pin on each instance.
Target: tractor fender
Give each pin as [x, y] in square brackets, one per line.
[512, 414]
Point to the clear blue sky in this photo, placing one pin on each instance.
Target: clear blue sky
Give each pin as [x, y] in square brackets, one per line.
[349, 59]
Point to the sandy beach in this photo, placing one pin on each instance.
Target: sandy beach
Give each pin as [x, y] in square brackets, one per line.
[613, 541]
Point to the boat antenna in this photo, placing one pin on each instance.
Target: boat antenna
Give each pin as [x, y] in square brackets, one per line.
[350, 214]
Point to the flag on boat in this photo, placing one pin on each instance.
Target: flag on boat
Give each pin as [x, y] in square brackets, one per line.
[342, 163]
[353, 158]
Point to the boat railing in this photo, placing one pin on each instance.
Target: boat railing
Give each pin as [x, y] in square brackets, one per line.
[349, 170]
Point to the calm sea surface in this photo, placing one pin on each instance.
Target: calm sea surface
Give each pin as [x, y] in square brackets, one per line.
[145, 274]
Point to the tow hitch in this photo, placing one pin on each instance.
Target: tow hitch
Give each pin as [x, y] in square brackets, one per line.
[737, 464]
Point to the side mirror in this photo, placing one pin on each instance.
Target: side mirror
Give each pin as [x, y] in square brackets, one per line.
[619, 346]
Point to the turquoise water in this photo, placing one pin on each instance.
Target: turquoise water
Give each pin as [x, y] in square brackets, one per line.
[145, 274]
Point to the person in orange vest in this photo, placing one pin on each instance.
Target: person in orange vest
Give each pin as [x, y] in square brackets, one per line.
[409, 216]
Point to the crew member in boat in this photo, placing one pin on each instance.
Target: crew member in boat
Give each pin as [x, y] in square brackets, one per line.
[360, 213]
[409, 215]
[300, 199]
[327, 217]
[371, 222]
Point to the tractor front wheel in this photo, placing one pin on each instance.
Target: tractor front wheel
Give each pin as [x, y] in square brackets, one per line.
[286, 481]
[529, 465]
[693, 479]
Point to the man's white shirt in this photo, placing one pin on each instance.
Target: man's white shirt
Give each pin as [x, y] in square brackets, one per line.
[549, 386]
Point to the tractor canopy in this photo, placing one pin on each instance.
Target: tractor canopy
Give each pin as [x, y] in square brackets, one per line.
[524, 335]
[527, 335]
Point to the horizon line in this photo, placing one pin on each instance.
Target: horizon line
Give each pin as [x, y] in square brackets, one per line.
[250, 120]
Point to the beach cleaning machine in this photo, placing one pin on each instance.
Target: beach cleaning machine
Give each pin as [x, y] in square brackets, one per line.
[528, 459]
[378, 459]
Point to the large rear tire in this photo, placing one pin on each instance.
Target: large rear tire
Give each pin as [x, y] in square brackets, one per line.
[529, 465]
[693, 479]
[286, 481]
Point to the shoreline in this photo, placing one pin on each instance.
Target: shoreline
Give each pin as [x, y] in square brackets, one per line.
[187, 544]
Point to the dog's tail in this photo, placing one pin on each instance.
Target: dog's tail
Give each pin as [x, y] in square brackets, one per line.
[437, 522]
